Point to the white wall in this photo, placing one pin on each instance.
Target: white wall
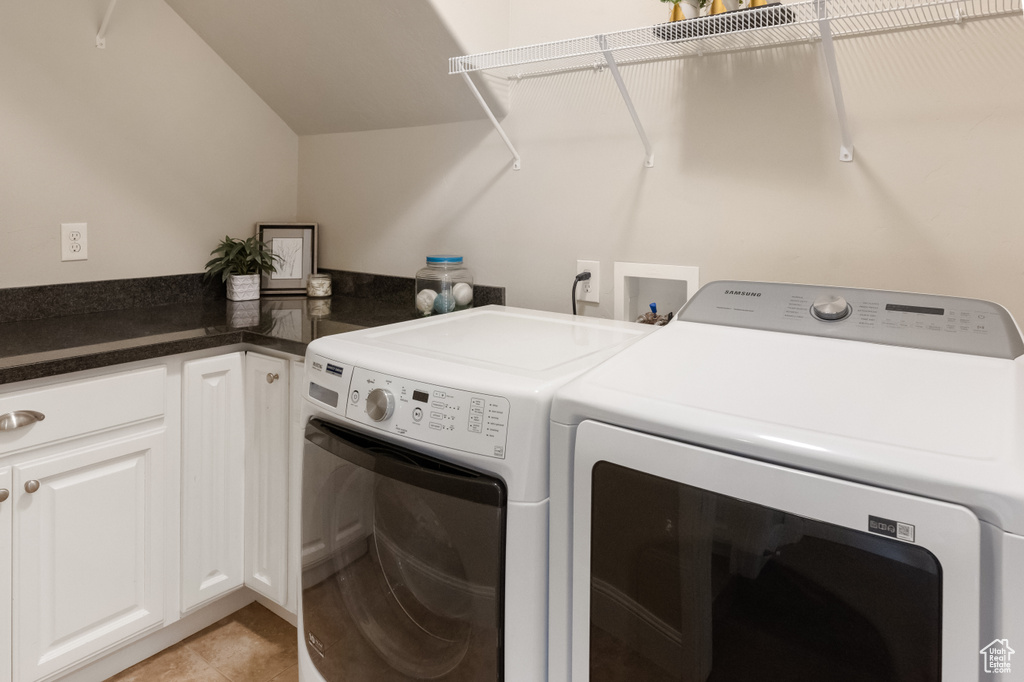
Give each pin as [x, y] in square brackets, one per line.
[153, 141]
[747, 182]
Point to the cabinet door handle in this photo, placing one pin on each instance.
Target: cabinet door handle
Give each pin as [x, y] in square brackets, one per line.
[19, 418]
[4, 494]
[31, 486]
[272, 377]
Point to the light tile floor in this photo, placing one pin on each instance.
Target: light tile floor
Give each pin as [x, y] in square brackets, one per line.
[250, 645]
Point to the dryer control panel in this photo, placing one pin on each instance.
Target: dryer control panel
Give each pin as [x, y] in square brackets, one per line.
[448, 417]
[943, 323]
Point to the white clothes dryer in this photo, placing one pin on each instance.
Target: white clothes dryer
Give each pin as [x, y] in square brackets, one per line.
[794, 483]
[425, 493]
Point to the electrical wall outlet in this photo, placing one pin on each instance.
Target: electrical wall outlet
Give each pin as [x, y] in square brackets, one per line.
[589, 290]
[74, 244]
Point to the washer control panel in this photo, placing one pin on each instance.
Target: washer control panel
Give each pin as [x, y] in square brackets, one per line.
[944, 323]
[449, 417]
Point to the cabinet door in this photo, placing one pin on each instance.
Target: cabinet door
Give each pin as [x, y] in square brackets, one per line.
[88, 551]
[6, 507]
[213, 461]
[267, 414]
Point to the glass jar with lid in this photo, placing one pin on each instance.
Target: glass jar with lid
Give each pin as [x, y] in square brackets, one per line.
[443, 286]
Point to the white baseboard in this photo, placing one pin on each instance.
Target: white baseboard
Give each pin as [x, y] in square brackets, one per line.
[278, 610]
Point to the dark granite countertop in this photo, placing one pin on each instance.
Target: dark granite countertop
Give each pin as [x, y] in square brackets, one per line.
[32, 349]
[52, 345]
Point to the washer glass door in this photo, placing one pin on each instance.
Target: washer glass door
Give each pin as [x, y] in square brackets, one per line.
[402, 562]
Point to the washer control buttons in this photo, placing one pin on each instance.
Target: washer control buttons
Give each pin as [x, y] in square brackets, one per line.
[830, 308]
[380, 404]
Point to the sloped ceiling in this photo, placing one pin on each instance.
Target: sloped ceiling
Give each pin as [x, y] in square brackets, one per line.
[331, 66]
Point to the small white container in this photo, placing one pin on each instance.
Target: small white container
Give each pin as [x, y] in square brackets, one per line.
[318, 286]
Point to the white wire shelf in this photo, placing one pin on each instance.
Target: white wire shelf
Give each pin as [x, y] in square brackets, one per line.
[749, 29]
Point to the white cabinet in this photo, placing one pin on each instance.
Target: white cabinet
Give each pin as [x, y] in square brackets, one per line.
[77, 408]
[88, 550]
[6, 558]
[237, 439]
[267, 475]
[213, 465]
[82, 520]
[99, 554]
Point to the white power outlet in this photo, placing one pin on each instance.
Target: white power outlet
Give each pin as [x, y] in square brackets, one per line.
[74, 242]
[589, 290]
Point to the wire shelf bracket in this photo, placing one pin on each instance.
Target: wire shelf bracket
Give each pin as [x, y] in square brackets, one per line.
[516, 161]
[610, 59]
[612, 67]
[827, 49]
[101, 36]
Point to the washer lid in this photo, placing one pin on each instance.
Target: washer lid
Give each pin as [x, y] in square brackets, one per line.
[940, 424]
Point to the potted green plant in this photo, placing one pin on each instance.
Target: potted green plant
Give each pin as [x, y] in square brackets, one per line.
[240, 263]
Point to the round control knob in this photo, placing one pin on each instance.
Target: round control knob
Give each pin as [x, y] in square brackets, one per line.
[380, 404]
[830, 308]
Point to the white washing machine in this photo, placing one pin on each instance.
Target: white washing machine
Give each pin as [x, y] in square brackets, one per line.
[794, 483]
[425, 493]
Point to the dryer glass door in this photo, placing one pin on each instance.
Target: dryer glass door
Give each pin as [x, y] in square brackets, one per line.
[402, 562]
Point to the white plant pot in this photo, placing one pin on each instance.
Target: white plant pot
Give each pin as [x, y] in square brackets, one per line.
[243, 287]
[690, 10]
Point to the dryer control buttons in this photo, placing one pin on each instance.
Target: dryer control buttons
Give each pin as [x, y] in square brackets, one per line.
[380, 404]
[830, 308]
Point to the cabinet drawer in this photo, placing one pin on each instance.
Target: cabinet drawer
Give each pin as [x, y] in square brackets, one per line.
[78, 408]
